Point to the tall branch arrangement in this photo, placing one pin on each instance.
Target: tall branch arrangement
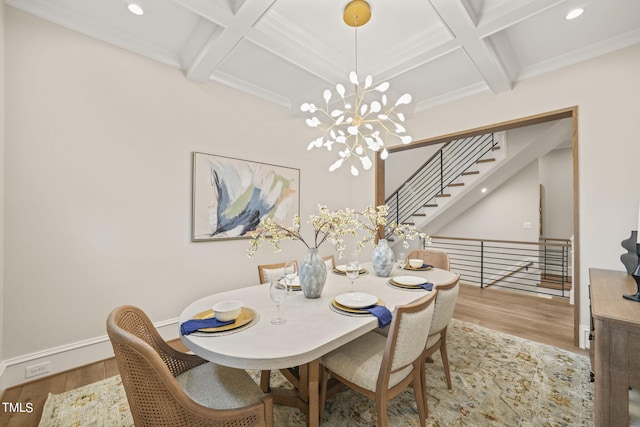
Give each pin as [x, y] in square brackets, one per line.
[333, 226]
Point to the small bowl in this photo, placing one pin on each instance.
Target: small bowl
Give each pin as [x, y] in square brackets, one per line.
[416, 262]
[227, 310]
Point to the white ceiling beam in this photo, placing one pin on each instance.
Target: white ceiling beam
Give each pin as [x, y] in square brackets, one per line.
[291, 42]
[222, 43]
[456, 17]
[510, 14]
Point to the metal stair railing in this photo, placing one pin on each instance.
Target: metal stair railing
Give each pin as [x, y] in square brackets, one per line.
[436, 174]
[541, 267]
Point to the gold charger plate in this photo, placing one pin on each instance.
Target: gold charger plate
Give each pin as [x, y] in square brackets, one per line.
[246, 316]
[353, 310]
[344, 273]
[408, 267]
[403, 285]
[293, 287]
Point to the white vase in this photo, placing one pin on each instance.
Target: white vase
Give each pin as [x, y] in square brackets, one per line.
[313, 274]
[382, 258]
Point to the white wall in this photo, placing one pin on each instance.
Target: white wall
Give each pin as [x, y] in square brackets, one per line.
[400, 165]
[98, 188]
[500, 215]
[607, 93]
[556, 178]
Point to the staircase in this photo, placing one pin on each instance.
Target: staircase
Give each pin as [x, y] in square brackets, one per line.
[449, 183]
[455, 167]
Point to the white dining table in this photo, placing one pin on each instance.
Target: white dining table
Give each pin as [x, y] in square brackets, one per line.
[312, 329]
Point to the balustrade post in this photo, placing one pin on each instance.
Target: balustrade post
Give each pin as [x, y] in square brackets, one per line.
[565, 267]
[481, 264]
[441, 173]
[397, 207]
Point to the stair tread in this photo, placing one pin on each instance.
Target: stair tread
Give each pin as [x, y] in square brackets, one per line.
[434, 198]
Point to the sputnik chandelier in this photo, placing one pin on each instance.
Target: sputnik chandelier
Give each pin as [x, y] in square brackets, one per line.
[359, 122]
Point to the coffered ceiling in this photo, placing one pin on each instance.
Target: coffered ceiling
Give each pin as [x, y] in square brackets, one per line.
[289, 51]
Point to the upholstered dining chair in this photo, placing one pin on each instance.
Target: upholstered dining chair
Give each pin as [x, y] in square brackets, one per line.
[166, 387]
[442, 314]
[439, 259]
[381, 367]
[266, 272]
[330, 260]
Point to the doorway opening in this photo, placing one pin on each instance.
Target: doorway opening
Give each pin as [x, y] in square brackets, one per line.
[572, 113]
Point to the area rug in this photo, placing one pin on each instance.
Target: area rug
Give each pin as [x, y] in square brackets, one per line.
[498, 380]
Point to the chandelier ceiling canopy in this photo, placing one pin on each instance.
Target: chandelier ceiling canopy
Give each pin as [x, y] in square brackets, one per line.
[359, 122]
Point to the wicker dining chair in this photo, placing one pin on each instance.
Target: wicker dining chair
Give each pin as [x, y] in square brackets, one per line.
[442, 314]
[380, 367]
[165, 387]
[436, 258]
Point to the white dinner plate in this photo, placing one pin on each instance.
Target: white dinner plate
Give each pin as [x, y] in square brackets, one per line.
[409, 280]
[356, 299]
[341, 267]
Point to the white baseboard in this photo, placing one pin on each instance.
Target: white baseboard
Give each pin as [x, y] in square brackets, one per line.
[70, 356]
[584, 336]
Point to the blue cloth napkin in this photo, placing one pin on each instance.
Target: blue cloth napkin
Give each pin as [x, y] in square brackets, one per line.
[194, 324]
[426, 265]
[426, 286]
[382, 313]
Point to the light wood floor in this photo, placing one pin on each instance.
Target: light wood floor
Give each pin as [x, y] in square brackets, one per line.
[544, 320]
[538, 319]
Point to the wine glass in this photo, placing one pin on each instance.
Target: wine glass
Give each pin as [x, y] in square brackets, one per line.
[402, 260]
[290, 274]
[278, 293]
[353, 268]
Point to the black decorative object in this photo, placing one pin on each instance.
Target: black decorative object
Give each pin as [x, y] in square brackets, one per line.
[630, 259]
[636, 277]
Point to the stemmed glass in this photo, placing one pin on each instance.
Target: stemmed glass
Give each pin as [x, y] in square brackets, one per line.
[402, 260]
[278, 293]
[353, 269]
[289, 275]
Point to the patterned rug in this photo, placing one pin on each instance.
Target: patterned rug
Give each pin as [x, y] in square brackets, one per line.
[498, 380]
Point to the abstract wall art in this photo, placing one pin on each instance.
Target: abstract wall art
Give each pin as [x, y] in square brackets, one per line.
[231, 196]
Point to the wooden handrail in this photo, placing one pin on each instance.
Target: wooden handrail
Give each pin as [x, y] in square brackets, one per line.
[511, 273]
[501, 241]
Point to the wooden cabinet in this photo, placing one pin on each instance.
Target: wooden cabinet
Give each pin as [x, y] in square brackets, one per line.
[616, 345]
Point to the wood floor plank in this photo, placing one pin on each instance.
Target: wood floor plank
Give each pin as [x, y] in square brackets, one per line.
[86, 375]
[11, 395]
[544, 320]
[110, 368]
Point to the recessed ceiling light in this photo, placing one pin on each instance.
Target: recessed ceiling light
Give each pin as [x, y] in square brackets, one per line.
[574, 13]
[484, 190]
[136, 9]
